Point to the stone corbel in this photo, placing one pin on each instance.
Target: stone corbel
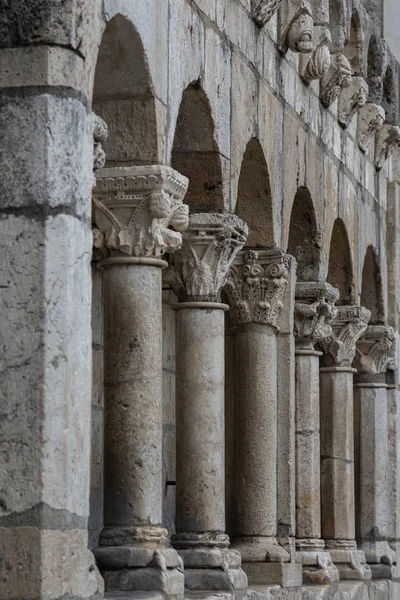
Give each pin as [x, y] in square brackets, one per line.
[347, 328]
[371, 117]
[297, 19]
[314, 311]
[337, 77]
[138, 211]
[386, 141]
[200, 268]
[263, 10]
[374, 352]
[255, 285]
[314, 65]
[351, 100]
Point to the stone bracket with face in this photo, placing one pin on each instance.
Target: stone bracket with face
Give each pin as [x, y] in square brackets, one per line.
[386, 141]
[263, 10]
[298, 32]
[351, 100]
[337, 77]
[314, 65]
[370, 119]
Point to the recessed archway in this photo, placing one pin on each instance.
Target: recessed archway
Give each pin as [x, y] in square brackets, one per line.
[195, 152]
[374, 71]
[371, 288]
[304, 239]
[340, 270]
[123, 96]
[389, 96]
[337, 23]
[254, 202]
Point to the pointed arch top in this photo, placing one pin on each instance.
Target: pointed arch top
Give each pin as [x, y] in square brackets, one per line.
[304, 237]
[371, 288]
[340, 268]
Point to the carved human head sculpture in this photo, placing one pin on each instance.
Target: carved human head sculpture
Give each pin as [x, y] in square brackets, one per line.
[298, 34]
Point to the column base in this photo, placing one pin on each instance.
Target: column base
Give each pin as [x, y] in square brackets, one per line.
[284, 574]
[260, 549]
[140, 563]
[350, 561]
[381, 559]
[210, 569]
[317, 565]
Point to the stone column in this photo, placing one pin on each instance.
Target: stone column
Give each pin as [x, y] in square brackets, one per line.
[47, 51]
[314, 312]
[337, 442]
[255, 287]
[134, 211]
[197, 275]
[373, 358]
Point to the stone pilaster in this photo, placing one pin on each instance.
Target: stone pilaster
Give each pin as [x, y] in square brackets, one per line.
[313, 315]
[256, 286]
[47, 54]
[373, 358]
[139, 215]
[337, 442]
[197, 274]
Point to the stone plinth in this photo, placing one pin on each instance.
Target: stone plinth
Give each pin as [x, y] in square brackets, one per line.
[197, 274]
[134, 211]
[314, 313]
[374, 356]
[337, 442]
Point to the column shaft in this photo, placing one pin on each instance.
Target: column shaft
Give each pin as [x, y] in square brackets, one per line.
[200, 492]
[255, 431]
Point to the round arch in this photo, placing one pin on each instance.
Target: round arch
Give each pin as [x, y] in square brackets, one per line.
[304, 238]
[340, 266]
[371, 287]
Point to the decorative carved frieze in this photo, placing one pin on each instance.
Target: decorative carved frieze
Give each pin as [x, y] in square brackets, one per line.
[337, 77]
[100, 135]
[138, 211]
[255, 286]
[370, 120]
[198, 271]
[374, 352]
[386, 141]
[348, 326]
[315, 65]
[298, 33]
[351, 100]
[314, 311]
[263, 10]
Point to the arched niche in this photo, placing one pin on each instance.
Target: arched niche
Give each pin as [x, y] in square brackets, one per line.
[254, 201]
[371, 288]
[337, 24]
[304, 238]
[195, 152]
[374, 71]
[354, 50]
[340, 269]
[123, 96]
[389, 96]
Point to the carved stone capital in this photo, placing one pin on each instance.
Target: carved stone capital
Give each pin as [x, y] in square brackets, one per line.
[337, 77]
[315, 65]
[386, 141]
[263, 10]
[138, 211]
[255, 286]
[370, 120]
[314, 311]
[298, 30]
[347, 328]
[198, 271]
[374, 353]
[351, 100]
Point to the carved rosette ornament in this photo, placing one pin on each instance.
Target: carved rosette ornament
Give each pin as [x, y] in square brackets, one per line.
[370, 120]
[351, 100]
[337, 77]
[138, 211]
[314, 312]
[298, 27]
[347, 328]
[263, 10]
[387, 140]
[198, 271]
[255, 286]
[374, 353]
